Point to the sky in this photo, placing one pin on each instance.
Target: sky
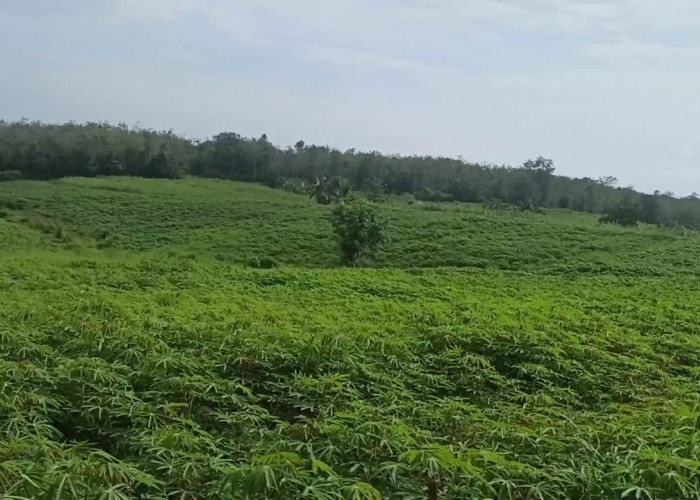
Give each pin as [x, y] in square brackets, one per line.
[602, 87]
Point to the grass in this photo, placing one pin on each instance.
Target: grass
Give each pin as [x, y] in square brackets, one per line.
[160, 366]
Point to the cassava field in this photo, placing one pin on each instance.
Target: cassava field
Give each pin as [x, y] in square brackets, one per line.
[145, 354]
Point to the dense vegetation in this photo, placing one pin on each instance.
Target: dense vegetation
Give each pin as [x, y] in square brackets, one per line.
[487, 353]
[38, 151]
[235, 222]
[359, 228]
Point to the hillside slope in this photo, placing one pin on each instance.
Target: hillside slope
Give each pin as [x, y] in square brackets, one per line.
[235, 222]
[556, 359]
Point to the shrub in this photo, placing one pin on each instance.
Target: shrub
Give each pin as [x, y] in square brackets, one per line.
[359, 228]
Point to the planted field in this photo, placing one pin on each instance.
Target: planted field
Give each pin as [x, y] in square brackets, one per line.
[234, 222]
[554, 359]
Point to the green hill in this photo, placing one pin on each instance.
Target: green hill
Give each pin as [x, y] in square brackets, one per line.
[234, 222]
[482, 354]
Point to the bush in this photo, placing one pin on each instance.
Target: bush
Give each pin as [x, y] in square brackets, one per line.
[359, 228]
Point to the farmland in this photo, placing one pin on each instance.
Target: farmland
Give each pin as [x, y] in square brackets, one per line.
[479, 355]
[234, 222]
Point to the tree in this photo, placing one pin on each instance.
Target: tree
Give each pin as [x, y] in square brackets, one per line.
[650, 209]
[360, 229]
[376, 189]
[35, 150]
[541, 169]
[540, 165]
[522, 190]
[608, 180]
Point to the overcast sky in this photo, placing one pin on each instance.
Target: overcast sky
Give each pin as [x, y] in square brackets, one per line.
[603, 87]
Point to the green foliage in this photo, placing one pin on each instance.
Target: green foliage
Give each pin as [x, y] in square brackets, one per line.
[541, 170]
[427, 194]
[139, 376]
[33, 150]
[269, 263]
[44, 224]
[297, 186]
[254, 263]
[236, 222]
[540, 165]
[359, 228]
[159, 368]
[376, 190]
[263, 263]
[650, 209]
[230, 156]
[627, 214]
[326, 191]
[10, 175]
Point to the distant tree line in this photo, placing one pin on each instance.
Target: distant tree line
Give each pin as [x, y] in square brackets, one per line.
[34, 150]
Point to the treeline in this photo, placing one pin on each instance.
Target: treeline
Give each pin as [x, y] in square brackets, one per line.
[35, 150]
